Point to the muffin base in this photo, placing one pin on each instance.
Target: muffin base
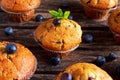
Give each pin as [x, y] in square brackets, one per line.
[21, 17]
[60, 54]
[95, 14]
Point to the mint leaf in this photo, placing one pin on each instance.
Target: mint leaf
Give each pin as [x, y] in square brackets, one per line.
[60, 12]
[66, 14]
[59, 17]
[54, 13]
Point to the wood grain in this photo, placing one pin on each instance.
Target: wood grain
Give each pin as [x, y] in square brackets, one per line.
[103, 42]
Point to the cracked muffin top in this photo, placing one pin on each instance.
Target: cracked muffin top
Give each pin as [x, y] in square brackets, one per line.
[19, 5]
[84, 71]
[100, 4]
[64, 36]
[114, 21]
[19, 65]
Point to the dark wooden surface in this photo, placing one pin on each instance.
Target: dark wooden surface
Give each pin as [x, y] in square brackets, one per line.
[102, 44]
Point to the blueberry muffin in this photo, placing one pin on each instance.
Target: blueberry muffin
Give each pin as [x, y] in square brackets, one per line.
[59, 36]
[98, 9]
[20, 10]
[114, 24]
[83, 71]
[16, 62]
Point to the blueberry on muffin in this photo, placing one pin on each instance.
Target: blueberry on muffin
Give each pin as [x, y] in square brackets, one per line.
[83, 71]
[16, 61]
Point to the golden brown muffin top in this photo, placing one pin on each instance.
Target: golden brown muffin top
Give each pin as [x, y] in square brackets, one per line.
[62, 37]
[19, 5]
[17, 65]
[114, 21]
[84, 71]
[100, 4]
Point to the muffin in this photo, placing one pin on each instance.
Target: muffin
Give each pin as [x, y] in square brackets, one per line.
[83, 71]
[114, 24]
[58, 37]
[20, 10]
[16, 62]
[98, 9]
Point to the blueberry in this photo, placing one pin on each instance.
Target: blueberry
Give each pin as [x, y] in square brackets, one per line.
[56, 22]
[100, 60]
[117, 70]
[70, 17]
[66, 76]
[8, 30]
[11, 48]
[55, 60]
[39, 18]
[87, 38]
[64, 5]
[91, 78]
[112, 56]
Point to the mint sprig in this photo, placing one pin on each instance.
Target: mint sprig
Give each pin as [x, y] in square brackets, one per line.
[59, 14]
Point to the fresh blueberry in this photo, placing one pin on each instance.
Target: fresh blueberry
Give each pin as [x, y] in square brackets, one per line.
[56, 22]
[8, 30]
[55, 60]
[87, 38]
[11, 48]
[70, 17]
[112, 56]
[100, 60]
[117, 70]
[91, 78]
[64, 5]
[39, 18]
[66, 76]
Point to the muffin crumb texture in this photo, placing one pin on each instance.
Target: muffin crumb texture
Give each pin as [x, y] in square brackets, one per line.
[19, 5]
[61, 37]
[16, 66]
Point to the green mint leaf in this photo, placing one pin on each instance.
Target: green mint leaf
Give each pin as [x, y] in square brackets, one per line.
[66, 14]
[54, 13]
[59, 17]
[60, 12]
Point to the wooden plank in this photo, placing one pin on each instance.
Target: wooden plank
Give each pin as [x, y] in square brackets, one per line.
[79, 56]
[43, 77]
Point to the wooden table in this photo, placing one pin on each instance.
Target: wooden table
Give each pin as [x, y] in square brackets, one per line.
[103, 42]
